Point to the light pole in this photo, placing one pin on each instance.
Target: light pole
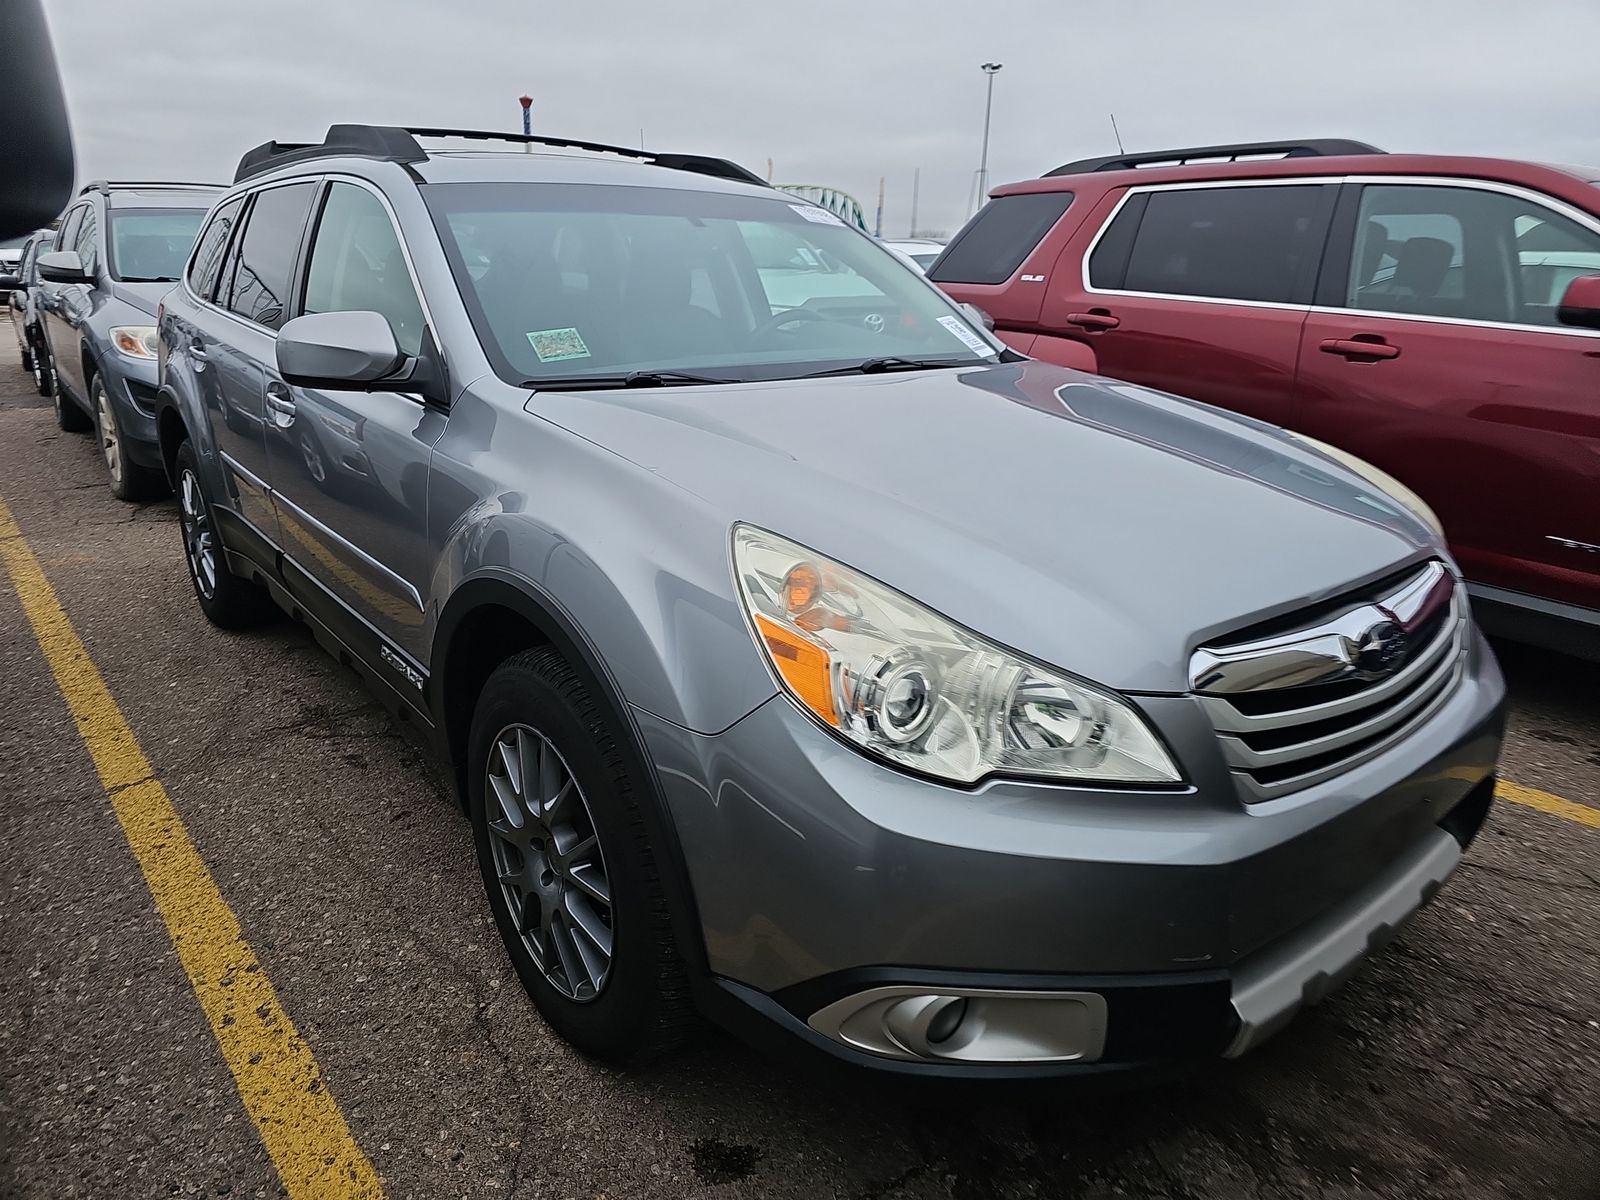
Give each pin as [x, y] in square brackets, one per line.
[991, 70]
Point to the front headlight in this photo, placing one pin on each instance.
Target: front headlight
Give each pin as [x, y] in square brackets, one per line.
[898, 680]
[136, 341]
[1382, 480]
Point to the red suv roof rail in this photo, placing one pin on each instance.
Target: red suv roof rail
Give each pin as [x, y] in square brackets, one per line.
[1307, 148]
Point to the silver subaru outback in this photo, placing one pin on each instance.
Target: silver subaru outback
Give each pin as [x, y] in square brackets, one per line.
[802, 655]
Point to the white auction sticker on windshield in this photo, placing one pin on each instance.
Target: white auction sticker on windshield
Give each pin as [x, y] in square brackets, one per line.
[817, 216]
[973, 342]
[555, 345]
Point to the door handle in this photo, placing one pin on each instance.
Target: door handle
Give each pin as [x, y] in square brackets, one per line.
[1362, 345]
[281, 404]
[197, 349]
[1094, 319]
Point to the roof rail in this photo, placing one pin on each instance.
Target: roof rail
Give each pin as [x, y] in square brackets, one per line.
[392, 143]
[1308, 148]
[147, 185]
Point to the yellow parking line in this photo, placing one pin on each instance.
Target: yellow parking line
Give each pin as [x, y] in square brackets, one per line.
[1583, 814]
[277, 1075]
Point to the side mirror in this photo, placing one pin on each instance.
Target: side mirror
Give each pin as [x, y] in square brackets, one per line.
[12, 283]
[978, 315]
[63, 266]
[1580, 303]
[337, 350]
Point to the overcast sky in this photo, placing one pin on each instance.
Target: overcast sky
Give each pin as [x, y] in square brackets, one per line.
[834, 93]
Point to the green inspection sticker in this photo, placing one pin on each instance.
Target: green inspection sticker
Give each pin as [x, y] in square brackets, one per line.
[553, 345]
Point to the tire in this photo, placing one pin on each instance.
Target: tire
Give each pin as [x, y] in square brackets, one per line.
[42, 372]
[228, 601]
[129, 481]
[27, 356]
[69, 416]
[641, 1006]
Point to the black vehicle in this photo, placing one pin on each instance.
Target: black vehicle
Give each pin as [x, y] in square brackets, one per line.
[120, 248]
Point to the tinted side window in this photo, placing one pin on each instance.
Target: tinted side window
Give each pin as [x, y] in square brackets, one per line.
[357, 265]
[213, 244]
[1465, 252]
[1108, 263]
[997, 240]
[68, 230]
[262, 276]
[1245, 243]
[85, 240]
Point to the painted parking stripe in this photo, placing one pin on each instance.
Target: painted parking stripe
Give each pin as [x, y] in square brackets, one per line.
[276, 1073]
[1516, 793]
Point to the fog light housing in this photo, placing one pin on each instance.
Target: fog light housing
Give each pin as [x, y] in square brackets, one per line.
[968, 1025]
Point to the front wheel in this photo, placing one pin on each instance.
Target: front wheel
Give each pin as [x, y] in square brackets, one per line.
[69, 417]
[228, 601]
[129, 481]
[571, 876]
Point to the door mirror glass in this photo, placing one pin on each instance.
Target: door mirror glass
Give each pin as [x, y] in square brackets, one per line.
[62, 266]
[1580, 303]
[337, 350]
[979, 315]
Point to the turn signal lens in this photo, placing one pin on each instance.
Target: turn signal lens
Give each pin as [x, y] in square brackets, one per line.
[898, 680]
[803, 665]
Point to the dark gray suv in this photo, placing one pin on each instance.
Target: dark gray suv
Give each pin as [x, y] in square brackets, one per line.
[800, 653]
[120, 247]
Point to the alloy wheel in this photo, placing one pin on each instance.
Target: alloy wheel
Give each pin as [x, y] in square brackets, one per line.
[198, 544]
[110, 436]
[547, 855]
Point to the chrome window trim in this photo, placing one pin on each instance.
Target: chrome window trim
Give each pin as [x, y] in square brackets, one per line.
[1542, 199]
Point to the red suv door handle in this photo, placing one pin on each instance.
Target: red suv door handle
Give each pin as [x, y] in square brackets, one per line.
[1363, 345]
[1095, 318]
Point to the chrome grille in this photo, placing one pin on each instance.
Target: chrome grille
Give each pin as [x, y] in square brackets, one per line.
[1298, 707]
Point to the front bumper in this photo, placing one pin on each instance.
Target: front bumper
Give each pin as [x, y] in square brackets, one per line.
[818, 873]
[131, 384]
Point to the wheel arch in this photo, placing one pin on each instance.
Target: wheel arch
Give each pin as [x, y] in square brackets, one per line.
[171, 432]
[497, 613]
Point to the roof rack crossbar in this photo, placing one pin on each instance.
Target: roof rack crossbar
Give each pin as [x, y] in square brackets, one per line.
[148, 185]
[395, 144]
[1305, 148]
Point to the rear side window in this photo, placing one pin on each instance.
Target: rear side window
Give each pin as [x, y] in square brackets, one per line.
[1245, 243]
[997, 240]
[213, 244]
[68, 230]
[85, 240]
[265, 266]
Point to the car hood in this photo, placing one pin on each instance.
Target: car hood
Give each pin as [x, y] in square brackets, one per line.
[143, 296]
[1097, 526]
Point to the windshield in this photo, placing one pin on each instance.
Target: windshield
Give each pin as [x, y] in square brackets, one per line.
[14, 243]
[152, 244]
[568, 281]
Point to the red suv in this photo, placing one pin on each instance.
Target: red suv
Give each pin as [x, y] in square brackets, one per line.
[1438, 317]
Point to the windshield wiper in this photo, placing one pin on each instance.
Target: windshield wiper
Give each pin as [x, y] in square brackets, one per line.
[877, 366]
[633, 379]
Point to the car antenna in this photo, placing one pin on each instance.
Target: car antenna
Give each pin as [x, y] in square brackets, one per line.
[1116, 134]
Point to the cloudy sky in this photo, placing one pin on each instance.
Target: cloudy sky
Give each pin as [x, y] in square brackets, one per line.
[832, 92]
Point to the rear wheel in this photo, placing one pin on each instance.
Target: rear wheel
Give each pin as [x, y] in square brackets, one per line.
[227, 600]
[129, 481]
[41, 369]
[27, 356]
[567, 863]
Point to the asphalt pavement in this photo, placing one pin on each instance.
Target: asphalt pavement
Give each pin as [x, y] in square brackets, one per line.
[1463, 1062]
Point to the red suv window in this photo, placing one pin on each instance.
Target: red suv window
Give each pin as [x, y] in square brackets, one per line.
[996, 241]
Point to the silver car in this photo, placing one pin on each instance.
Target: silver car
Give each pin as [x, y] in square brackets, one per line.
[817, 663]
